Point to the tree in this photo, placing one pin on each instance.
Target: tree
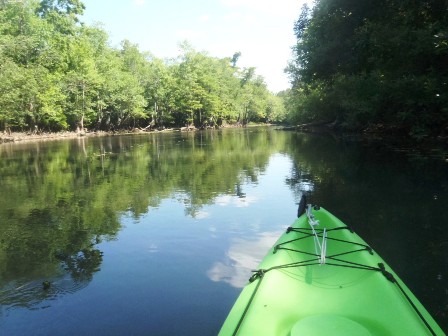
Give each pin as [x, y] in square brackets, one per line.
[119, 100]
[81, 80]
[159, 92]
[368, 64]
[57, 73]
[275, 109]
[31, 94]
[235, 58]
[62, 14]
[253, 98]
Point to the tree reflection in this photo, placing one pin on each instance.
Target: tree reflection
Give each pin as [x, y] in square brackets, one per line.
[73, 273]
[61, 199]
[83, 264]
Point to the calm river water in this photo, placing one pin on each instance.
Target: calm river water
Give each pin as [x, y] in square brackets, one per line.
[156, 234]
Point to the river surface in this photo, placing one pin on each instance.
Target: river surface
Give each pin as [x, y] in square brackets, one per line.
[156, 234]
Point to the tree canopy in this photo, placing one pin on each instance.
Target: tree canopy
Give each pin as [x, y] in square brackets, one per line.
[371, 64]
[57, 73]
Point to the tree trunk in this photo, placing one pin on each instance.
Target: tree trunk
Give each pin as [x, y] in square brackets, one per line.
[81, 123]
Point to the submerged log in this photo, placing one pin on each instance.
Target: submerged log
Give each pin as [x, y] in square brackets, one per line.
[316, 125]
[187, 128]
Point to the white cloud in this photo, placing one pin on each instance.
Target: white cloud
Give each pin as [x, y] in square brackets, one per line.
[204, 18]
[262, 30]
[223, 200]
[189, 34]
[240, 18]
[139, 2]
[153, 248]
[284, 8]
[238, 202]
[268, 57]
[243, 257]
[201, 215]
[243, 202]
[233, 16]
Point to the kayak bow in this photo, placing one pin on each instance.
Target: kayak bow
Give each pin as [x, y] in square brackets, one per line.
[321, 278]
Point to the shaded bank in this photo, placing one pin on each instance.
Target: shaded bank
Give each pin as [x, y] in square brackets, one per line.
[377, 133]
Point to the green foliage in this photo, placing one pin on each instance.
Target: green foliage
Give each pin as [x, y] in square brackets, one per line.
[57, 73]
[367, 64]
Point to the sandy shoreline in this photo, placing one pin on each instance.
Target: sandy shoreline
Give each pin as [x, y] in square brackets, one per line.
[26, 137]
[20, 137]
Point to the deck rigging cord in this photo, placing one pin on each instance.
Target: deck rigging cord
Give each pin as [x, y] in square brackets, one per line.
[319, 246]
[320, 237]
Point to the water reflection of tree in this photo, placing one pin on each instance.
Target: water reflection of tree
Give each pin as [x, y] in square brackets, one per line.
[73, 273]
[63, 198]
[83, 264]
[49, 225]
[46, 254]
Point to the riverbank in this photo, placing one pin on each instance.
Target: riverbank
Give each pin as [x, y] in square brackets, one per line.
[46, 136]
[20, 137]
[27, 137]
[377, 135]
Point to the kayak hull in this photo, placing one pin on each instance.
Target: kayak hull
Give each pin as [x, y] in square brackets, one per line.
[325, 280]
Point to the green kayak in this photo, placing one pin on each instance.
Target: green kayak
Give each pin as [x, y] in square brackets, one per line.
[321, 278]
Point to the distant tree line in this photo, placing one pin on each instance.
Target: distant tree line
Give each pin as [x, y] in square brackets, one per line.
[57, 73]
[372, 65]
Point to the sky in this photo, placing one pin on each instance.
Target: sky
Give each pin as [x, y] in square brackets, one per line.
[262, 30]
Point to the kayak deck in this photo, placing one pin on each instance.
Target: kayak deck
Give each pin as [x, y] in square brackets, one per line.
[323, 279]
